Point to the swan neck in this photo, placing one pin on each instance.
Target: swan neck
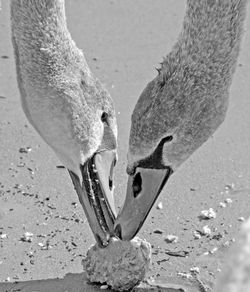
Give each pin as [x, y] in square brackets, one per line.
[213, 29]
[39, 22]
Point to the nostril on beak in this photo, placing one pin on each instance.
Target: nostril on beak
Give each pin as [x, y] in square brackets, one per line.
[110, 184]
[118, 231]
[137, 185]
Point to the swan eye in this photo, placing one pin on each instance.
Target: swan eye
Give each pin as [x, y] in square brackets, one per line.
[104, 117]
[137, 185]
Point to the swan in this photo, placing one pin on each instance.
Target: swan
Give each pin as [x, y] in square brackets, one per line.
[182, 106]
[67, 105]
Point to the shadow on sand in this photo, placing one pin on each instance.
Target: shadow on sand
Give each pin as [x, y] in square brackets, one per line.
[78, 283]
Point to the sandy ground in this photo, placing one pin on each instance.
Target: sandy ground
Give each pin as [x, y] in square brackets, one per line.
[123, 42]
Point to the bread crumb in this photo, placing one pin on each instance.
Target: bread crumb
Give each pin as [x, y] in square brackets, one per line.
[171, 238]
[208, 214]
[121, 265]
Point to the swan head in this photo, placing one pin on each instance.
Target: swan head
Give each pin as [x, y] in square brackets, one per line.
[75, 115]
[170, 121]
[67, 106]
[90, 154]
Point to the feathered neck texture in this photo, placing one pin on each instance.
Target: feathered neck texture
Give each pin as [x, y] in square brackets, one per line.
[44, 49]
[40, 20]
[210, 36]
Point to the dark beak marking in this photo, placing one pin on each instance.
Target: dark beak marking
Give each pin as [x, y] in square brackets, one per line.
[110, 184]
[118, 231]
[170, 171]
[137, 185]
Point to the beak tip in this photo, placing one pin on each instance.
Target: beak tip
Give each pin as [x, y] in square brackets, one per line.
[102, 243]
[118, 231]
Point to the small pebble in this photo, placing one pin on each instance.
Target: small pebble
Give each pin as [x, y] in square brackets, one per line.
[171, 238]
[104, 287]
[206, 230]
[229, 187]
[217, 236]
[3, 235]
[185, 275]
[195, 270]
[159, 206]
[158, 231]
[25, 150]
[27, 237]
[241, 219]
[213, 250]
[229, 201]
[223, 205]
[16, 277]
[197, 235]
[208, 214]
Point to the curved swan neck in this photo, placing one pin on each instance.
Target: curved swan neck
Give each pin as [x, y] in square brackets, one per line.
[211, 32]
[188, 99]
[39, 29]
[48, 63]
[43, 47]
[42, 19]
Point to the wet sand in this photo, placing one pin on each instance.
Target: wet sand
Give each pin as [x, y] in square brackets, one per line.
[123, 42]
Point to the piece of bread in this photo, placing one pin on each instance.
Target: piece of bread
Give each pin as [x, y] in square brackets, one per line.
[121, 265]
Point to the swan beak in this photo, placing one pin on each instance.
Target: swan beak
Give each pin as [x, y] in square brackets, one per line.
[95, 193]
[143, 188]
